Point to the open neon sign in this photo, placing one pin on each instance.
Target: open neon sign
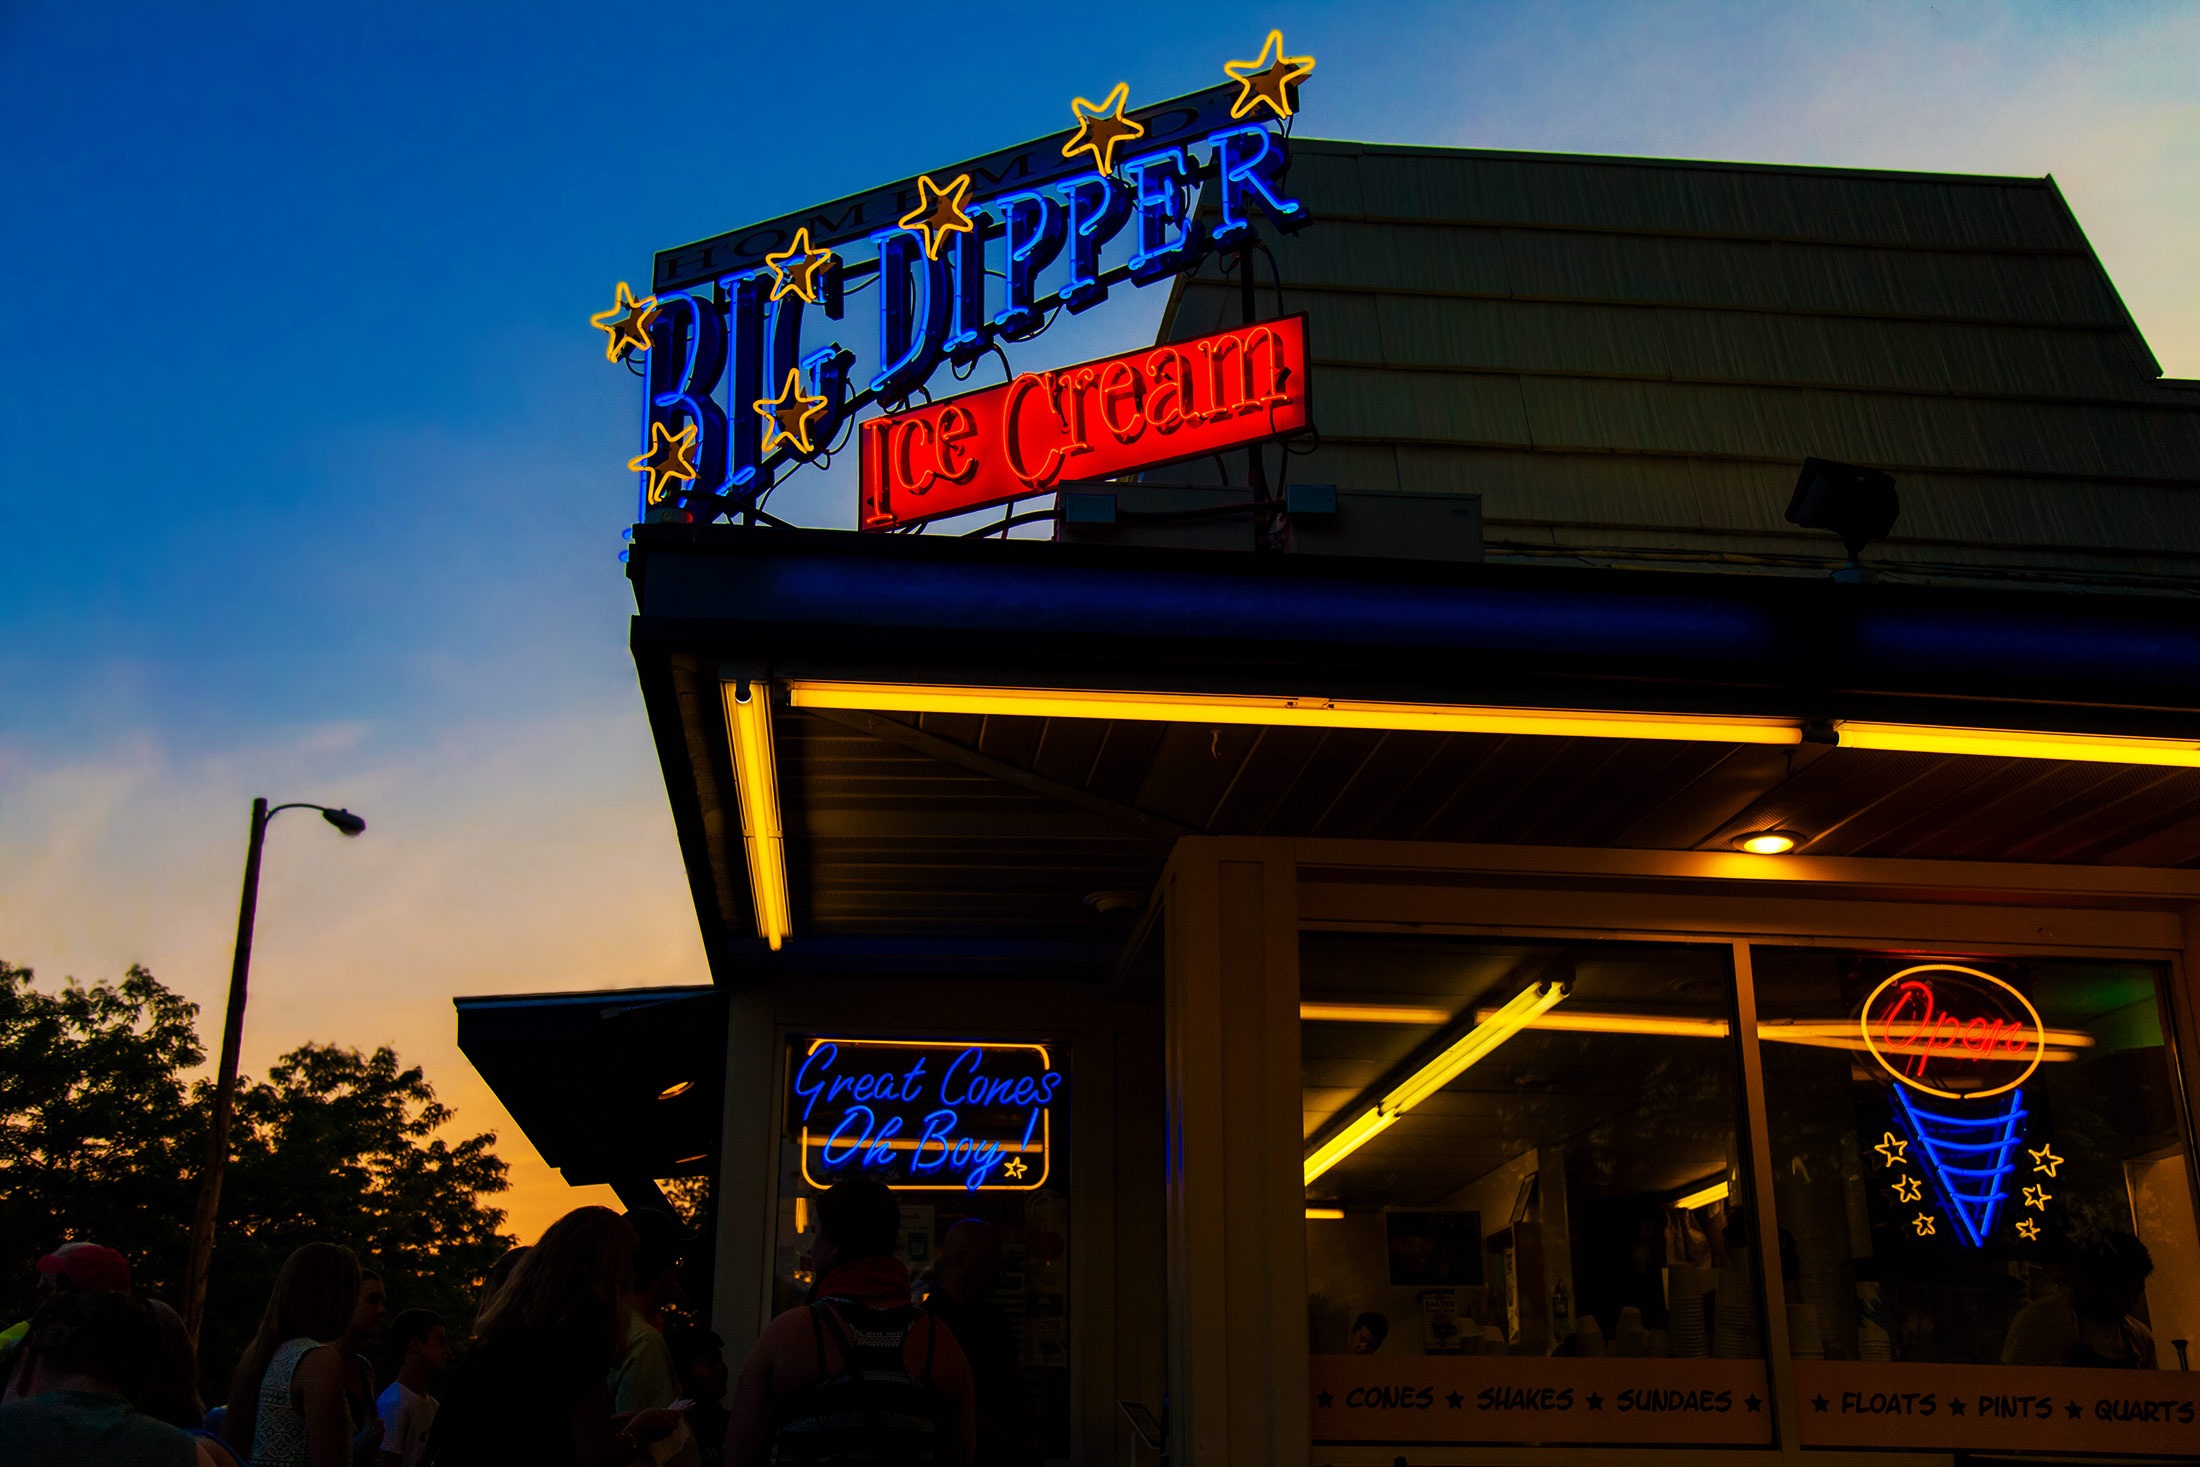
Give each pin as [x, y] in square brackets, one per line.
[1953, 1032]
[925, 1115]
[959, 259]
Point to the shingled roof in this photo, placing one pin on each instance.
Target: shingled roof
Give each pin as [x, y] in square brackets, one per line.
[1628, 359]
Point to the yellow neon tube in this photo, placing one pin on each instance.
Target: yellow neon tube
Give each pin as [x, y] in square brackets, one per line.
[2017, 744]
[1318, 712]
[1300, 712]
[1716, 1192]
[1588, 1023]
[1325, 1214]
[1436, 1074]
[749, 728]
[1372, 1013]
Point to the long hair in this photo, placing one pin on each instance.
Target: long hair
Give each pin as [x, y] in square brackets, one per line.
[314, 1296]
[500, 1273]
[568, 1283]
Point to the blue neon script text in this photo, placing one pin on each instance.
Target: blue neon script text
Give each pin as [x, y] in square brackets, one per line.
[917, 1125]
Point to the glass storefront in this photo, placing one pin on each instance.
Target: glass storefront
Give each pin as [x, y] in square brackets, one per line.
[1523, 1175]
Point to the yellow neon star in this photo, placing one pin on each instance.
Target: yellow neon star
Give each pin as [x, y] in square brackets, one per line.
[940, 213]
[627, 322]
[1101, 128]
[2028, 1230]
[1271, 82]
[1907, 1189]
[2044, 1159]
[1924, 1225]
[801, 276]
[671, 456]
[789, 415]
[1015, 1168]
[1893, 1148]
[2037, 1198]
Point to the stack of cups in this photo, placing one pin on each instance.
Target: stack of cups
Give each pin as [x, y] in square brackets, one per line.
[1872, 1340]
[1736, 1337]
[1684, 1312]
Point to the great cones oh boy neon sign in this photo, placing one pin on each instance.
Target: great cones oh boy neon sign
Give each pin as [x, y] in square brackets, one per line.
[924, 1115]
[955, 262]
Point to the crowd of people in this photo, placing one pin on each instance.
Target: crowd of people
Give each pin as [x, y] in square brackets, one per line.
[576, 1357]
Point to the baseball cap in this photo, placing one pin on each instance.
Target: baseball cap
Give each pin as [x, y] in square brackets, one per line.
[89, 1266]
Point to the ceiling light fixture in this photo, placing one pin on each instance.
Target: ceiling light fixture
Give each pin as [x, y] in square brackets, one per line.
[1702, 1197]
[1767, 842]
[675, 1090]
[1477, 1042]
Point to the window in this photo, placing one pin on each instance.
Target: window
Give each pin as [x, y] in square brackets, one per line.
[1978, 1161]
[1523, 1216]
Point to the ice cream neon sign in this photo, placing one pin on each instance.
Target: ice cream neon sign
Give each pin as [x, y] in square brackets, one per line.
[1957, 1034]
[955, 261]
[924, 1115]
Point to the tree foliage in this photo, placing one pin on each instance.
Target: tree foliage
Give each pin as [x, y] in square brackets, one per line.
[102, 1135]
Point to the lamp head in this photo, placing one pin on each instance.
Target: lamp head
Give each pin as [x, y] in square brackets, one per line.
[344, 820]
[1858, 504]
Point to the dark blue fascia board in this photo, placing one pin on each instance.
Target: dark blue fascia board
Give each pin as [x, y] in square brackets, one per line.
[833, 603]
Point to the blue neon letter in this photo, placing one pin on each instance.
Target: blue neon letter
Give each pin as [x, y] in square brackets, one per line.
[912, 317]
[1097, 208]
[1034, 239]
[687, 355]
[1157, 183]
[807, 1088]
[1250, 166]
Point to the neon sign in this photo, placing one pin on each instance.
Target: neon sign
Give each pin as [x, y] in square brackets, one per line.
[956, 262]
[1134, 411]
[924, 1115]
[1953, 1032]
[1960, 1035]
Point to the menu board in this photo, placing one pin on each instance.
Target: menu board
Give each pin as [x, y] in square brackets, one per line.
[1847, 1403]
[1410, 1398]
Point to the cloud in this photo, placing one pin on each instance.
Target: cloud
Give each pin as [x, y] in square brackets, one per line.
[502, 857]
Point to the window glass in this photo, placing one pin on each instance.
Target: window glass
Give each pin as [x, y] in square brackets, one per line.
[1978, 1161]
[1523, 1216]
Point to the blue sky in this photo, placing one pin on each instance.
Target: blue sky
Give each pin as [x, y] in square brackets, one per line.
[311, 470]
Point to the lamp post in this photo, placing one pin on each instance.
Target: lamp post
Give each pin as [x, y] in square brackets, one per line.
[225, 1083]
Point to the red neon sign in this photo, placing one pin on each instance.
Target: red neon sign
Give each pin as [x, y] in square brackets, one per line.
[1135, 411]
[1952, 1031]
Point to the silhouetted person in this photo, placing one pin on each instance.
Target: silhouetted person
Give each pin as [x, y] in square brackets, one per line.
[85, 1357]
[286, 1401]
[499, 1272]
[406, 1410]
[359, 1383]
[858, 1376]
[532, 1391]
[172, 1393]
[2089, 1322]
[699, 1363]
[962, 1297]
[643, 1378]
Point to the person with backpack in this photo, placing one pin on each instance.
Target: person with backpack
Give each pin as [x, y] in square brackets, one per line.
[858, 1376]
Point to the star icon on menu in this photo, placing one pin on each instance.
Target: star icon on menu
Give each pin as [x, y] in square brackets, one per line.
[2037, 1198]
[671, 456]
[1323, 1398]
[795, 269]
[1015, 1168]
[939, 213]
[1924, 1223]
[1955, 1405]
[2073, 1411]
[1272, 81]
[1894, 1148]
[1455, 1400]
[1596, 1402]
[788, 415]
[1819, 1404]
[2044, 1159]
[2028, 1230]
[1100, 129]
[1754, 1403]
[1908, 1189]
[627, 323]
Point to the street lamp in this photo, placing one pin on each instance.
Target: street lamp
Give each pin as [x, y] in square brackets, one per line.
[225, 1083]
